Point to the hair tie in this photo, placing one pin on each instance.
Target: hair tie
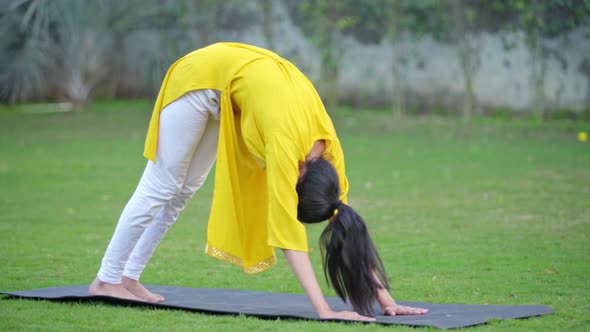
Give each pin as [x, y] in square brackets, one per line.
[338, 205]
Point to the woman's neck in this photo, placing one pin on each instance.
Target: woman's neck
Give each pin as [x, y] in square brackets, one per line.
[316, 150]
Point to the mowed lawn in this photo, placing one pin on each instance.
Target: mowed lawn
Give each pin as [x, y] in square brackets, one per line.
[492, 212]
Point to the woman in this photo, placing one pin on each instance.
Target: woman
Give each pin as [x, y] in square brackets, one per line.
[264, 122]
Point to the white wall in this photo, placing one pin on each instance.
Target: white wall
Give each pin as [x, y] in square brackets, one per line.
[434, 77]
[502, 79]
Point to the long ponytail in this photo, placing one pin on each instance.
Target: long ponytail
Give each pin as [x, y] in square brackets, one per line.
[351, 262]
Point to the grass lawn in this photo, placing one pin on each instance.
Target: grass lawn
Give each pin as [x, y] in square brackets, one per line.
[494, 212]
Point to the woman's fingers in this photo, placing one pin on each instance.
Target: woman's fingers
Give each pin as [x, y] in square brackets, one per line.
[349, 315]
[356, 316]
[396, 309]
[389, 311]
[404, 310]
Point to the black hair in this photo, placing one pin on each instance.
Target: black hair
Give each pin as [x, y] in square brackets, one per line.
[351, 262]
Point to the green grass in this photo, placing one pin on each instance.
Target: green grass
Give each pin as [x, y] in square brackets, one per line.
[495, 212]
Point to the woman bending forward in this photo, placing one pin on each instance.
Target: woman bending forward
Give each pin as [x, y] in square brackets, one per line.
[279, 165]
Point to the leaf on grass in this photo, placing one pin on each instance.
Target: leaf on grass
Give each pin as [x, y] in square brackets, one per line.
[551, 271]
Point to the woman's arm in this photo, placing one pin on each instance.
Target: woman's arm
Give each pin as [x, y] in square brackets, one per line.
[303, 270]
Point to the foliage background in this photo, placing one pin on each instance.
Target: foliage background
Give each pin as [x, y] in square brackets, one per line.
[360, 53]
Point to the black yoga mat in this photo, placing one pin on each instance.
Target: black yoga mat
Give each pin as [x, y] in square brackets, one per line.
[295, 306]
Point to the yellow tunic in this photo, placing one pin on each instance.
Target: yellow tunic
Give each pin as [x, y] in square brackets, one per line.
[270, 117]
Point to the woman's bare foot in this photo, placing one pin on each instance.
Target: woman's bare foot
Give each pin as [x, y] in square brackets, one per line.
[113, 290]
[137, 289]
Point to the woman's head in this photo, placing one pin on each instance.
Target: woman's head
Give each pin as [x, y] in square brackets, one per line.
[318, 191]
[351, 262]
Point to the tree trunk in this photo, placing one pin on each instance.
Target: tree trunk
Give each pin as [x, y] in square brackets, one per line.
[398, 63]
[268, 22]
[584, 68]
[467, 54]
[467, 70]
[330, 78]
[538, 72]
[330, 61]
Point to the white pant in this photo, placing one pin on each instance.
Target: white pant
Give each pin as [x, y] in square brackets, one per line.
[187, 149]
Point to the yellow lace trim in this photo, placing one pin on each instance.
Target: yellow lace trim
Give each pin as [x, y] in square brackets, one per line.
[224, 256]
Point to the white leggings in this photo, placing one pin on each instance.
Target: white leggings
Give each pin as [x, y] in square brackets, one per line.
[187, 149]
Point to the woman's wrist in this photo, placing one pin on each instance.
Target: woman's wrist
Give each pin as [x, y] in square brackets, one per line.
[321, 306]
[325, 312]
[387, 304]
[384, 298]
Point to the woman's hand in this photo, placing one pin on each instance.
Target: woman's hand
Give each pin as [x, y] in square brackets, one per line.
[346, 315]
[390, 308]
[303, 270]
[396, 309]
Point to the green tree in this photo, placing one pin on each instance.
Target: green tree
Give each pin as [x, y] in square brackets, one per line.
[198, 23]
[67, 45]
[460, 23]
[462, 20]
[202, 17]
[324, 22]
[27, 50]
[405, 20]
[72, 50]
[540, 21]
